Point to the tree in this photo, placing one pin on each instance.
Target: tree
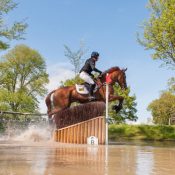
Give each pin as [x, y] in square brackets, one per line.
[22, 79]
[128, 112]
[171, 85]
[7, 32]
[75, 57]
[163, 108]
[72, 81]
[159, 31]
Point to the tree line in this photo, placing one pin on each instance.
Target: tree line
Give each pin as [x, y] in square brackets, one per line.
[158, 35]
[23, 75]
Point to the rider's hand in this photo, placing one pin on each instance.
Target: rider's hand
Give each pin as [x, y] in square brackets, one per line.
[92, 76]
[100, 72]
[100, 76]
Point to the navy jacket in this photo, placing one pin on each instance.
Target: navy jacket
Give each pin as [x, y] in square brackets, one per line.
[90, 66]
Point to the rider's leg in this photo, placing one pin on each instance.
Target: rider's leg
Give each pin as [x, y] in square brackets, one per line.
[87, 78]
[87, 85]
[91, 91]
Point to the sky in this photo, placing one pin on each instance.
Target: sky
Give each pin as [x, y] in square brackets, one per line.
[108, 27]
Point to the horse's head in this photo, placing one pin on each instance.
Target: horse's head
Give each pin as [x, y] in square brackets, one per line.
[117, 75]
[121, 78]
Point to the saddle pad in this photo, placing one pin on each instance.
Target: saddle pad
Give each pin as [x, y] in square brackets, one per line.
[81, 89]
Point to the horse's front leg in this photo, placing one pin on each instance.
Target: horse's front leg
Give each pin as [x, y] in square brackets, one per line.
[116, 107]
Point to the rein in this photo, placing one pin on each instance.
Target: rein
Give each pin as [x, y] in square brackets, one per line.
[101, 84]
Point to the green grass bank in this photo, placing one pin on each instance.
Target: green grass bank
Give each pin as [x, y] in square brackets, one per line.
[141, 132]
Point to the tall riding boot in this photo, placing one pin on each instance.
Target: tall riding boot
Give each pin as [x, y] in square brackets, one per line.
[91, 92]
[87, 85]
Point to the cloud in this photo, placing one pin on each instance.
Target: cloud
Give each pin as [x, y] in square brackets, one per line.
[57, 73]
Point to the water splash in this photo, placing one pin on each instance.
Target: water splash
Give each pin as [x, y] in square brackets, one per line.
[35, 134]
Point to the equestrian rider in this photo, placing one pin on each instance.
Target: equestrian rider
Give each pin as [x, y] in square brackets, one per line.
[86, 73]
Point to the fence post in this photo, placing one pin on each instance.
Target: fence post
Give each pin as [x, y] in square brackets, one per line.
[106, 118]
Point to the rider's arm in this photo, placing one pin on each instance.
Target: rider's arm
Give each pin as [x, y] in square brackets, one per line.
[96, 70]
[92, 64]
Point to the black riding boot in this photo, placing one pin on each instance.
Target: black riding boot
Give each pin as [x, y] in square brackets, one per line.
[91, 92]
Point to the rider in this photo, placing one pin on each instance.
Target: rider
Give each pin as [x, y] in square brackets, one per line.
[86, 72]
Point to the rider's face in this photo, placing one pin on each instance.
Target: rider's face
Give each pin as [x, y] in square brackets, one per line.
[96, 59]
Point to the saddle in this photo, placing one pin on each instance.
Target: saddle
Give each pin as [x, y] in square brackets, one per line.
[84, 88]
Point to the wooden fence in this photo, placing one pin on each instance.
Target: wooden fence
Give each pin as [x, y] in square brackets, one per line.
[78, 133]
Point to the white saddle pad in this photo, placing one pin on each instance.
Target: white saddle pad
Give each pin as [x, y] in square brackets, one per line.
[81, 89]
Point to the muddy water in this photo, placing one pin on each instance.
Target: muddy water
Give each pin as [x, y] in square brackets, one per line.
[49, 158]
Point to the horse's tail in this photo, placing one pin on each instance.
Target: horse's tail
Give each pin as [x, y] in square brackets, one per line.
[49, 102]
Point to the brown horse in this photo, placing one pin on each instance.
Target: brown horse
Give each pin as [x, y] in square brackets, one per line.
[64, 96]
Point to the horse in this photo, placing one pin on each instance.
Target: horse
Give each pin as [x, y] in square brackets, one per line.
[63, 97]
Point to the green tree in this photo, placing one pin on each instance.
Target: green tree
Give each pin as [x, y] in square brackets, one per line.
[22, 79]
[75, 57]
[9, 32]
[171, 85]
[163, 108]
[159, 31]
[72, 81]
[128, 112]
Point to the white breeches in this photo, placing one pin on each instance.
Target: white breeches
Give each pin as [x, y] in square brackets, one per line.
[86, 77]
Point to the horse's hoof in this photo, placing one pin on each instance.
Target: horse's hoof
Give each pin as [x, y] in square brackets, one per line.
[117, 108]
[114, 107]
[91, 98]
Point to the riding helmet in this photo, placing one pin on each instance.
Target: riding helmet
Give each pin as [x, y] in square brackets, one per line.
[95, 54]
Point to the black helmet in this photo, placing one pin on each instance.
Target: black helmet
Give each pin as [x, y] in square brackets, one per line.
[94, 54]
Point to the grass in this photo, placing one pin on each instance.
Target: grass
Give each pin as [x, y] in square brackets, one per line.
[141, 132]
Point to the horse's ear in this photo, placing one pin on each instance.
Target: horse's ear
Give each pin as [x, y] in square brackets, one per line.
[124, 70]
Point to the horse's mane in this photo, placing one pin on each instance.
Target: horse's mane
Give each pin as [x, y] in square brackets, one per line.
[112, 69]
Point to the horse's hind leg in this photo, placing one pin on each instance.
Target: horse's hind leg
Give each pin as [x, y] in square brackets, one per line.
[60, 102]
[48, 102]
[54, 111]
[57, 109]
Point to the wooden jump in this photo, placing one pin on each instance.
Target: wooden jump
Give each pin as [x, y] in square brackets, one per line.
[79, 113]
[76, 124]
[78, 133]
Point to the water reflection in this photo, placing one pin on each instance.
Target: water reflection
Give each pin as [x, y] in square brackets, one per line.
[145, 161]
[164, 161]
[61, 159]
[77, 159]
[22, 160]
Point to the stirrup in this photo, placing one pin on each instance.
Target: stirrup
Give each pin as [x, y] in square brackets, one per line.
[91, 98]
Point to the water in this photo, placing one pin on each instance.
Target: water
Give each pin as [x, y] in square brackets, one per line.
[33, 133]
[32, 153]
